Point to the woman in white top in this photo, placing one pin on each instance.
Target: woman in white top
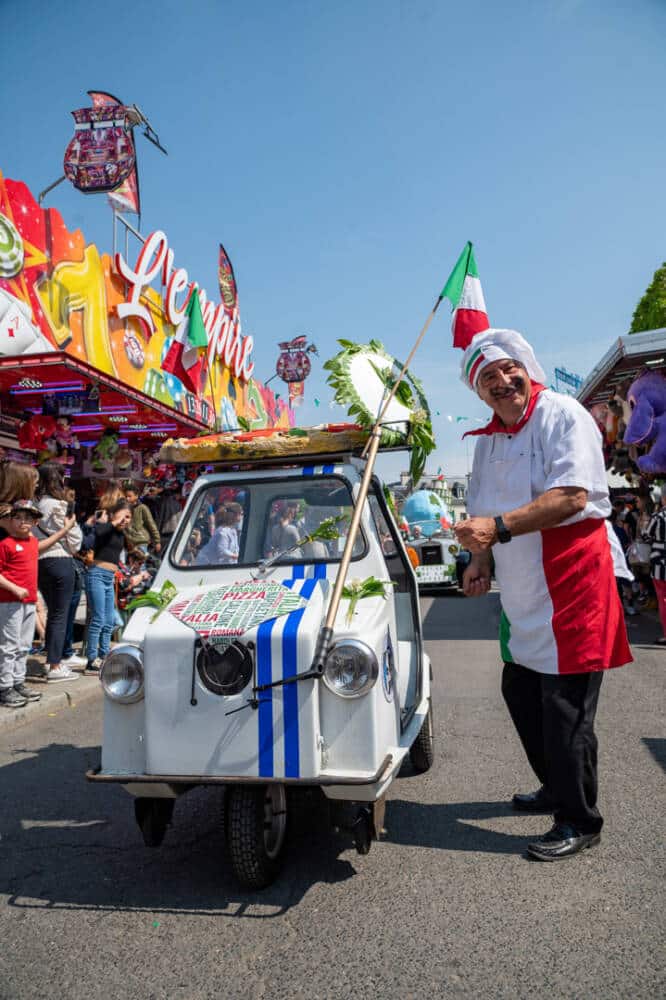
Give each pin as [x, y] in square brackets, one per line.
[56, 566]
[222, 549]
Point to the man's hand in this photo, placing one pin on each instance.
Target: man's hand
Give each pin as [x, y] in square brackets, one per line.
[476, 533]
[476, 579]
[21, 593]
[69, 523]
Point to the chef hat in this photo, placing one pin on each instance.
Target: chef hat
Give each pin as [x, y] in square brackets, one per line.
[498, 345]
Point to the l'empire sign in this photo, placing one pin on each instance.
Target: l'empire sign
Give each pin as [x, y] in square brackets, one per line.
[60, 293]
[225, 342]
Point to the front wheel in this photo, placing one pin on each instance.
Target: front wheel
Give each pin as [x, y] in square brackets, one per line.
[256, 828]
[422, 750]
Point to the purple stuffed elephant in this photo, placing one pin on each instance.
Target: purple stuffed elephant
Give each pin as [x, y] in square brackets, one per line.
[647, 399]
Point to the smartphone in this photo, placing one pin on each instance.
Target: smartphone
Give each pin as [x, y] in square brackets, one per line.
[70, 508]
[98, 513]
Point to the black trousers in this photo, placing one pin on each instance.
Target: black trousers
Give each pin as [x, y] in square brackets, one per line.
[56, 582]
[554, 715]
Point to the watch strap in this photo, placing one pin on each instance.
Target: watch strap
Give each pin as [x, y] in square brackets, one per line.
[503, 533]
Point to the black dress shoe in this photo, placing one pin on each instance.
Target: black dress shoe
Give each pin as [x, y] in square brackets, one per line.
[561, 842]
[533, 802]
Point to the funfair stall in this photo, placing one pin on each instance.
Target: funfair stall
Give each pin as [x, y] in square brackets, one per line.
[104, 356]
[626, 394]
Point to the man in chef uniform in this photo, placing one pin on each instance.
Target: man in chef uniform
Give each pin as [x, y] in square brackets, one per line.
[537, 501]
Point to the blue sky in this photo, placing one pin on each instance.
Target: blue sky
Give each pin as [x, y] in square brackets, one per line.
[345, 150]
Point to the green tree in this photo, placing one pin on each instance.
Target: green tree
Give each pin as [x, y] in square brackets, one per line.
[650, 312]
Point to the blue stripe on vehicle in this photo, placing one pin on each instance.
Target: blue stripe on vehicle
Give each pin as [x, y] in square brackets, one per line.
[265, 676]
[290, 691]
[328, 469]
[320, 571]
[308, 470]
[298, 573]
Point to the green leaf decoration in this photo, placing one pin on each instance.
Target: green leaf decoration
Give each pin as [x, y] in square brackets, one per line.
[244, 424]
[327, 531]
[155, 599]
[358, 590]
[390, 500]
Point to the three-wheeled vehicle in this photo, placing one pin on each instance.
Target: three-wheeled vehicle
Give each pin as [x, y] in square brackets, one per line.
[437, 560]
[230, 684]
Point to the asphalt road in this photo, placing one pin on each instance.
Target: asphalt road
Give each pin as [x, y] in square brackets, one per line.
[446, 905]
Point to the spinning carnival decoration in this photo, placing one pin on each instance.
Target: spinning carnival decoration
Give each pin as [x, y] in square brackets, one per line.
[100, 155]
[293, 366]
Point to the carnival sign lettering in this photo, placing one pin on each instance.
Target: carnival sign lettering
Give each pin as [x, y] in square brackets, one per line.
[156, 258]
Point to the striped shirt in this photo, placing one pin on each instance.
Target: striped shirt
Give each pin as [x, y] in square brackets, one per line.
[657, 534]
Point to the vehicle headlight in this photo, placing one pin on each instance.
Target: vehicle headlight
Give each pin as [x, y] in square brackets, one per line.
[351, 668]
[224, 669]
[122, 675]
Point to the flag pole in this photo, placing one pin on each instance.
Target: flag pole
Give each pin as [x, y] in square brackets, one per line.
[325, 637]
[404, 368]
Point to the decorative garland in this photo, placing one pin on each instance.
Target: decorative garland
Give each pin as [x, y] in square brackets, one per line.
[410, 393]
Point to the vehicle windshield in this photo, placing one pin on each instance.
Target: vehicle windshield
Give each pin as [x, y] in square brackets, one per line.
[243, 524]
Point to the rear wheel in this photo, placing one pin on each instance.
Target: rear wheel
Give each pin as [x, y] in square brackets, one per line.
[256, 828]
[422, 751]
[153, 817]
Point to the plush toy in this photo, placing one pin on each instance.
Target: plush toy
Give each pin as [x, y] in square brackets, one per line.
[600, 413]
[622, 405]
[613, 420]
[106, 449]
[647, 424]
[64, 434]
[33, 433]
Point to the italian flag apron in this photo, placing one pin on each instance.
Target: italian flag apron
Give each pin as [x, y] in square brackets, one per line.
[561, 613]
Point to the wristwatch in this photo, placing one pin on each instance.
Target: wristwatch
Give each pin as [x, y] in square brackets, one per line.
[503, 533]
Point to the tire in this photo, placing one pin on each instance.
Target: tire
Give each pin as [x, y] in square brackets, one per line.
[256, 828]
[422, 750]
[153, 817]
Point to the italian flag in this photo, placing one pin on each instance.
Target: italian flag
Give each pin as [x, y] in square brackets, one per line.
[184, 358]
[463, 290]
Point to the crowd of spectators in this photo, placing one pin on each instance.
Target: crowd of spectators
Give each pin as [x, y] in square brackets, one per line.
[56, 546]
[639, 523]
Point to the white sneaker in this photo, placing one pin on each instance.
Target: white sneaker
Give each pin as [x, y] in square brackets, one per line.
[73, 661]
[62, 673]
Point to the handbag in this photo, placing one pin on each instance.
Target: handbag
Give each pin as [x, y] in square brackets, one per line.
[639, 552]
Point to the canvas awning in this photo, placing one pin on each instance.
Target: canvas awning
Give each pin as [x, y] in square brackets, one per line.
[623, 362]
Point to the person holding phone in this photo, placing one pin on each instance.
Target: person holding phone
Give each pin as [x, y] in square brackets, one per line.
[108, 546]
[56, 566]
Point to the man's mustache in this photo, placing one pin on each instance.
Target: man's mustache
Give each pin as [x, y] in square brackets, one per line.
[517, 385]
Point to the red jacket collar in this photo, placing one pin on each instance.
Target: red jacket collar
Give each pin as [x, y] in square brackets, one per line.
[497, 427]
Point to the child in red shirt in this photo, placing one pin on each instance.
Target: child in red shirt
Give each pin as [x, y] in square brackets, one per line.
[19, 552]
